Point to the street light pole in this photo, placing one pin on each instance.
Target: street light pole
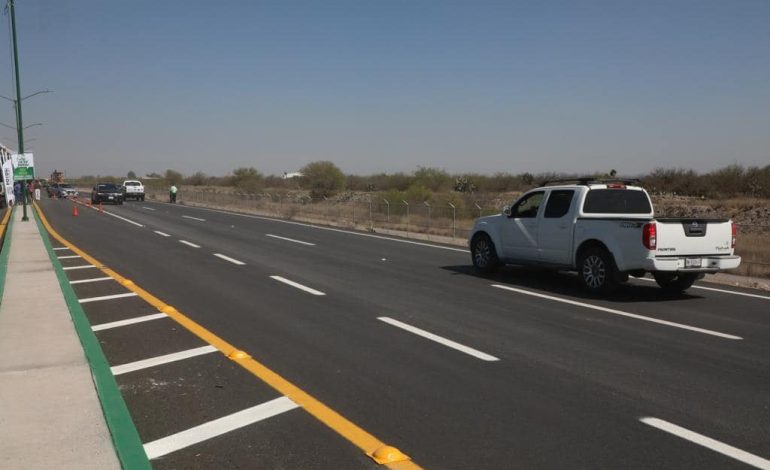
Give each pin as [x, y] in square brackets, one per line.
[19, 121]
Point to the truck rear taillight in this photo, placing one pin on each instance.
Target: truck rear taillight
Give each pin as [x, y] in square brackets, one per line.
[650, 236]
[735, 233]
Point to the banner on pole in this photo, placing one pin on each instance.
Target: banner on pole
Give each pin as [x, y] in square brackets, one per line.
[23, 166]
[8, 181]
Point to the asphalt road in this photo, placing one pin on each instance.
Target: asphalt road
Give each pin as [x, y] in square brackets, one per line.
[538, 375]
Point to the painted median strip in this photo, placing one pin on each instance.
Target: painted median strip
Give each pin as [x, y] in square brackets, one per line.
[160, 360]
[439, 339]
[190, 244]
[96, 279]
[130, 321]
[227, 258]
[107, 297]
[620, 313]
[707, 442]
[370, 445]
[220, 426]
[124, 435]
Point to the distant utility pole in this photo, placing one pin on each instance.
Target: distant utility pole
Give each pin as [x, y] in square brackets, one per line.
[19, 126]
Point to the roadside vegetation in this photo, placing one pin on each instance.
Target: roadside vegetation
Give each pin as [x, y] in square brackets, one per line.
[431, 202]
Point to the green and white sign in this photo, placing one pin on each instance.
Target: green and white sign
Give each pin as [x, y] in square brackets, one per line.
[23, 166]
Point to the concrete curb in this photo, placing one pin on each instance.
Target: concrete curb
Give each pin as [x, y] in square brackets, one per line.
[5, 244]
[125, 437]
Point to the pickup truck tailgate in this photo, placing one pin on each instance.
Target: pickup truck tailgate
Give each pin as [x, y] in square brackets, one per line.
[686, 237]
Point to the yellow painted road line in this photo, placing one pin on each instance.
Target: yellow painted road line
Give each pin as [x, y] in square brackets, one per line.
[4, 222]
[369, 444]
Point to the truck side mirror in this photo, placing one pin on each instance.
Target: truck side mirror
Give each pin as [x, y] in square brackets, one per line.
[507, 211]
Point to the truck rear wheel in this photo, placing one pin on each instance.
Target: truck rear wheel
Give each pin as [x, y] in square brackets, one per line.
[596, 268]
[483, 254]
[674, 282]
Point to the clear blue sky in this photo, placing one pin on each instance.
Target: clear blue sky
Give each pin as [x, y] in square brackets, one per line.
[389, 85]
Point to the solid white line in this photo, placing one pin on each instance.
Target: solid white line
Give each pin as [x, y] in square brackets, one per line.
[61, 248]
[68, 257]
[124, 219]
[189, 243]
[709, 443]
[441, 340]
[130, 321]
[621, 313]
[218, 427]
[193, 218]
[290, 240]
[70, 268]
[297, 285]
[162, 234]
[148, 208]
[746, 294]
[300, 224]
[227, 258]
[107, 297]
[156, 361]
[96, 279]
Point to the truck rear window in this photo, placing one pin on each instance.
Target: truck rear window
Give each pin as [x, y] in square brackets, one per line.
[616, 201]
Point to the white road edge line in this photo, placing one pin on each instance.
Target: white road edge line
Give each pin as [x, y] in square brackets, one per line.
[707, 442]
[439, 339]
[289, 239]
[124, 219]
[193, 218]
[148, 208]
[189, 243]
[130, 321]
[205, 431]
[68, 257]
[159, 360]
[107, 297]
[746, 294]
[227, 258]
[162, 234]
[96, 279]
[61, 248]
[70, 268]
[330, 229]
[297, 285]
[621, 313]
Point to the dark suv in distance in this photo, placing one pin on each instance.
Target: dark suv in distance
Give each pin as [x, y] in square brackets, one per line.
[107, 192]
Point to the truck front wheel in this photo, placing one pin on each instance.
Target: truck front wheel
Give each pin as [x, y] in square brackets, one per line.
[484, 254]
[597, 270]
[675, 283]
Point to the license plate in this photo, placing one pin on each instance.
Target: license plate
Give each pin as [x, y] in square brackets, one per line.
[693, 262]
[113, 197]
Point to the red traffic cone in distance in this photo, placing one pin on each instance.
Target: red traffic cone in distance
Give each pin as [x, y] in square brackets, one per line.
[74, 210]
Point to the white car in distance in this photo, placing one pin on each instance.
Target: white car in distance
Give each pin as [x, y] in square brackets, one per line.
[133, 189]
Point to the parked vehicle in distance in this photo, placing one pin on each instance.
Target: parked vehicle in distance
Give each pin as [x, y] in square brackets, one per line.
[605, 230]
[133, 189]
[66, 190]
[52, 189]
[107, 192]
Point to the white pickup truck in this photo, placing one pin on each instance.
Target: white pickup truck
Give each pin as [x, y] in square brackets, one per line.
[133, 189]
[605, 230]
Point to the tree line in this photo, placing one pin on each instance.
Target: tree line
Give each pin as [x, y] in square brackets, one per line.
[324, 179]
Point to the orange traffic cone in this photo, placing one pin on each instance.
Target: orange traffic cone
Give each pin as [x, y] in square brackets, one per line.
[74, 210]
[101, 208]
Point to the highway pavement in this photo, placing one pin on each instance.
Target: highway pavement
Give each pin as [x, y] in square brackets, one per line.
[402, 339]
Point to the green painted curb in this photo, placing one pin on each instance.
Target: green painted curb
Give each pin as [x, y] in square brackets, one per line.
[125, 438]
[6, 249]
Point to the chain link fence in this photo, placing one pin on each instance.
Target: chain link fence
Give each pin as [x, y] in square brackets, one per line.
[447, 223]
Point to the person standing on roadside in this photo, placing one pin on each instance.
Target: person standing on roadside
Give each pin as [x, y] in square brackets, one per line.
[17, 190]
[172, 194]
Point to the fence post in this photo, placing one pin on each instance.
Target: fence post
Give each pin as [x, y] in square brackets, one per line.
[387, 209]
[454, 219]
[407, 217]
[478, 207]
[371, 221]
[428, 206]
